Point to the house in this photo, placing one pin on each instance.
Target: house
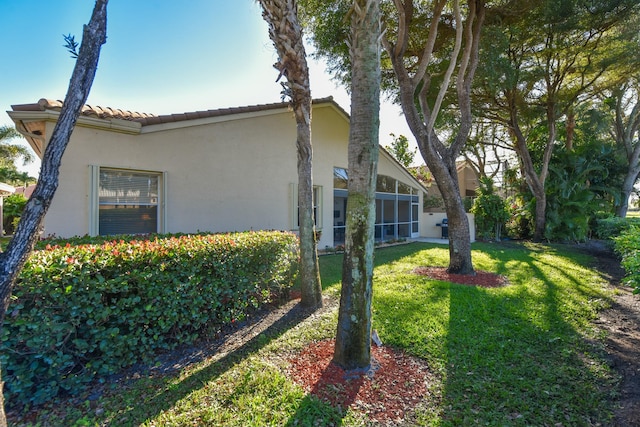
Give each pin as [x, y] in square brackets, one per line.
[222, 170]
[26, 190]
[467, 179]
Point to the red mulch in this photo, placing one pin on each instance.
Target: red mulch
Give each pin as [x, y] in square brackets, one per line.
[482, 278]
[395, 384]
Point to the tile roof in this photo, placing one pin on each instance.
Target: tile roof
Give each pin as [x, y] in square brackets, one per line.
[151, 119]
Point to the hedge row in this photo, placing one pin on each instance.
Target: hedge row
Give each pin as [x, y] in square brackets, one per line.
[611, 227]
[80, 312]
[627, 245]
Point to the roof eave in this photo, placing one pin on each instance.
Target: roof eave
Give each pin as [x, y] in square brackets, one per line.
[26, 120]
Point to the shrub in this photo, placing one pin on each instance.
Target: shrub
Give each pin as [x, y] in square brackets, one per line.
[82, 312]
[627, 245]
[608, 228]
[520, 222]
[432, 202]
[490, 210]
[12, 210]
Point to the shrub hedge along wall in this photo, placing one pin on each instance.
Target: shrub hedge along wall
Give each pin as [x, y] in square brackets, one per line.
[81, 312]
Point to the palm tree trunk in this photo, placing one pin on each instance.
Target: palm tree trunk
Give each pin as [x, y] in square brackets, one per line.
[286, 34]
[353, 337]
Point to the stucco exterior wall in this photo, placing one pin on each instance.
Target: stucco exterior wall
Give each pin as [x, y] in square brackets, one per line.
[468, 181]
[431, 230]
[211, 182]
[230, 173]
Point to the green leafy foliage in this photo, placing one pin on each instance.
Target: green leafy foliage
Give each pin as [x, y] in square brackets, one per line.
[627, 245]
[611, 227]
[490, 210]
[399, 148]
[521, 213]
[80, 312]
[432, 202]
[12, 210]
[579, 186]
[523, 354]
[71, 45]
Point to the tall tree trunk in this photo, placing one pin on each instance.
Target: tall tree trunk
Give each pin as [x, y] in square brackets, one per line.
[446, 176]
[535, 181]
[540, 222]
[286, 33]
[571, 128]
[627, 122]
[353, 337]
[460, 261]
[14, 258]
[415, 86]
[536, 186]
[627, 187]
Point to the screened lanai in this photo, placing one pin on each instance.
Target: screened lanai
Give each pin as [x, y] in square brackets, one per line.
[397, 208]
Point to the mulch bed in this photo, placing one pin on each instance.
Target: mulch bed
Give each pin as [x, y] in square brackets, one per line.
[481, 278]
[396, 383]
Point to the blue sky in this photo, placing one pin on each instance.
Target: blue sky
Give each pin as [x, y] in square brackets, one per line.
[161, 57]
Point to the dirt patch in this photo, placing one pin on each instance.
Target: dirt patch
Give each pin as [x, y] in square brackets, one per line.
[621, 322]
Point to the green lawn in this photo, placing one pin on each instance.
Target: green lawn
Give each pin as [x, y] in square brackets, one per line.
[526, 354]
[633, 213]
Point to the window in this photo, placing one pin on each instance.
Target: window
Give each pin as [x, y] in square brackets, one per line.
[317, 206]
[126, 202]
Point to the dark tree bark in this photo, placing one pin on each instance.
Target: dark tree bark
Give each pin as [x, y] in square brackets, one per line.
[415, 84]
[14, 258]
[353, 337]
[286, 33]
[535, 181]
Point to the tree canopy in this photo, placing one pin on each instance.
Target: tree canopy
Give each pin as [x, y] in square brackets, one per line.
[399, 149]
[542, 64]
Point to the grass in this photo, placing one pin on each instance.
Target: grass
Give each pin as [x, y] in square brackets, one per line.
[525, 354]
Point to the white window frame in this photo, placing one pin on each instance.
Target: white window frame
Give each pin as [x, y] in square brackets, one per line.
[94, 196]
[318, 205]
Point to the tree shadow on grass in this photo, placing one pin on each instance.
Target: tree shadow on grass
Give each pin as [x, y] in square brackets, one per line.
[514, 355]
[232, 349]
[313, 410]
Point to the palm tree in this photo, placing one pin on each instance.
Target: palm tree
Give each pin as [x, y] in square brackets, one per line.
[13, 258]
[9, 154]
[286, 33]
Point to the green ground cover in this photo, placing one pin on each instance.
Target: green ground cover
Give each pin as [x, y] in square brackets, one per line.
[524, 354]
